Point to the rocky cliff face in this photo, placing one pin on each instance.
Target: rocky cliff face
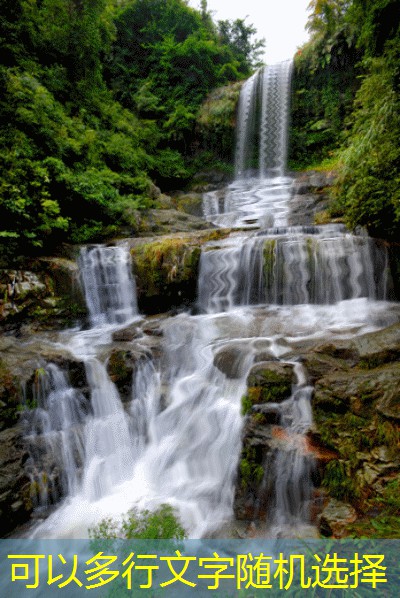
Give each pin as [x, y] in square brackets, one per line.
[44, 292]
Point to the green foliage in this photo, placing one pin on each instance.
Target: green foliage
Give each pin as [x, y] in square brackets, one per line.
[217, 119]
[338, 481]
[149, 525]
[238, 37]
[98, 98]
[368, 189]
[251, 472]
[346, 103]
[385, 524]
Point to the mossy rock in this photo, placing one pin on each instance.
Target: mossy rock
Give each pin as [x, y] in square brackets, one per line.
[268, 382]
[46, 292]
[121, 366]
[166, 270]
[191, 203]
[336, 518]
[338, 391]
[15, 509]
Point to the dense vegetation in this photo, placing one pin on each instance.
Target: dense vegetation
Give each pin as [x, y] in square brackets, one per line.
[346, 107]
[99, 100]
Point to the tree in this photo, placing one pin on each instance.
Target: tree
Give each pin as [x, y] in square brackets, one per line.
[238, 37]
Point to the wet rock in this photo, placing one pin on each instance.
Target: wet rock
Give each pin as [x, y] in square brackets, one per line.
[367, 351]
[208, 180]
[153, 329]
[229, 361]
[269, 383]
[378, 348]
[319, 365]
[273, 379]
[166, 270]
[321, 453]
[21, 365]
[310, 198]
[121, 366]
[337, 391]
[191, 203]
[336, 517]
[127, 334]
[264, 356]
[15, 502]
[46, 292]
[166, 221]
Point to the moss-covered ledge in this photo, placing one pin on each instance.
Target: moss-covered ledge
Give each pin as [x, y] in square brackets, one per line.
[166, 269]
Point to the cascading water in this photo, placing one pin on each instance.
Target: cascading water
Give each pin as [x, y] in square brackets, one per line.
[290, 268]
[178, 439]
[262, 117]
[85, 442]
[108, 284]
[259, 195]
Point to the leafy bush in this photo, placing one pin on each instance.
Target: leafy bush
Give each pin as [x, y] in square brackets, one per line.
[368, 188]
[150, 525]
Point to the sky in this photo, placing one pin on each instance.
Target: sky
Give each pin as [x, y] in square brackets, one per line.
[280, 22]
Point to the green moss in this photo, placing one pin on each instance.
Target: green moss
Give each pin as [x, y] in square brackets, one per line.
[251, 472]
[351, 436]
[269, 258]
[338, 481]
[386, 520]
[273, 386]
[216, 121]
[253, 397]
[259, 418]
[159, 263]
[388, 434]
[118, 367]
[169, 260]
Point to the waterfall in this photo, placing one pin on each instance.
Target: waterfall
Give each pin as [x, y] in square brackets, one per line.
[262, 122]
[261, 295]
[54, 436]
[292, 267]
[84, 444]
[259, 195]
[109, 287]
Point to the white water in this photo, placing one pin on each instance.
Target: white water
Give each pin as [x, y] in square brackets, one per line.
[290, 267]
[259, 195]
[178, 440]
[108, 284]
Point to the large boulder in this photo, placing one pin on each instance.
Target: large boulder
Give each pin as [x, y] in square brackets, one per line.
[270, 382]
[122, 364]
[229, 360]
[359, 391]
[336, 517]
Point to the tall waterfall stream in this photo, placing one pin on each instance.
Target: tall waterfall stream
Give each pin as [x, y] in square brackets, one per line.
[262, 291]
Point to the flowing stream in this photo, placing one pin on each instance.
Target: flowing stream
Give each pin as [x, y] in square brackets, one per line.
[178, 439]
